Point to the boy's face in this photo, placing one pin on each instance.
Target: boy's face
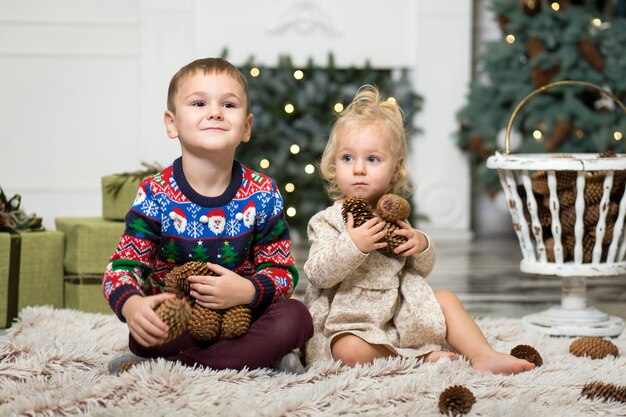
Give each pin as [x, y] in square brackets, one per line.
[365, 163]
[210, 115]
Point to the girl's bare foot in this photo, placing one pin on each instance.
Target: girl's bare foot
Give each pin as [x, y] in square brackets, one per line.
[500, 363]
[439, 354]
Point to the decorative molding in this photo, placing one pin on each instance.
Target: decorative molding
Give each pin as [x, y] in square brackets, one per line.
[304, 18]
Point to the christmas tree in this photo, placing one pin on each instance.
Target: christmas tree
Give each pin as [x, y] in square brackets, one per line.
[293, 109]
[544, 42]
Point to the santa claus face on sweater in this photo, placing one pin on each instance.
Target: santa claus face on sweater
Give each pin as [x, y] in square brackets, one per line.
[248, 215]
[179, 219]
[217, 223]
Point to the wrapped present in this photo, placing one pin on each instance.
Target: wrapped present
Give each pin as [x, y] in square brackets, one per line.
[84, 293]
[89, 243]
[31, 272]
[118, 194]
[119, 190]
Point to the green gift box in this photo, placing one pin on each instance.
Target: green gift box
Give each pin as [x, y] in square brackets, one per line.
[84, 293]
[31, 272]
[89, 243]
[118, 194]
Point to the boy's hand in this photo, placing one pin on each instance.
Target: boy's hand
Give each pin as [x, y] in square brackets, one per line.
[416, 240]
[143, 323]
[226, 290]
[367, 236]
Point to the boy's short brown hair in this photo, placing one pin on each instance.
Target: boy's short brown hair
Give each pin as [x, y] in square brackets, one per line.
[207, 66]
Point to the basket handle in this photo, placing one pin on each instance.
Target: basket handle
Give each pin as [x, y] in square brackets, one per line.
[546, 87]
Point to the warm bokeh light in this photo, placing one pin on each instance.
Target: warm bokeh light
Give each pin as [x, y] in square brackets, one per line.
[618, 135]
[579, 133]
[298, 74]
[392, 100]
[338, 107]
[294, 149]
[555, 6]
[510, 38]
[255, 72]
[537, 135]
[265, 163]
[291, 211]
[290, 188]
[289, 108]
[597, 22]
[309, 169]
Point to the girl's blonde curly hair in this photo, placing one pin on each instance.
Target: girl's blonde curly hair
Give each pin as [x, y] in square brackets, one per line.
[367, 107]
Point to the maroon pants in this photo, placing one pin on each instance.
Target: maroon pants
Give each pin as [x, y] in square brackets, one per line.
[285, 325]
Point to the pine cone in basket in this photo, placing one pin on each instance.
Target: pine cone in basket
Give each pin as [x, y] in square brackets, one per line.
[174, 312]
[528, 353]
[604, 391]
[594, 187]
[362, 211]
[568, 219]
[456, 400]
[593, 347]
[564, 180]
[205, 323]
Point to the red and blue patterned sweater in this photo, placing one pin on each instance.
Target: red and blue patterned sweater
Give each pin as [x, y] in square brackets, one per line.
[169, 223]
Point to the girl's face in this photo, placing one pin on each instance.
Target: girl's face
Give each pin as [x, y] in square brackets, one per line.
[365, 164]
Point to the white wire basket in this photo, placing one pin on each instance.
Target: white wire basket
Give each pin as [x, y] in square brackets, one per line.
[568, 212]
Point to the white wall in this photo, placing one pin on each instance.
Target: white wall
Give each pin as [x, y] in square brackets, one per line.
[83, 84]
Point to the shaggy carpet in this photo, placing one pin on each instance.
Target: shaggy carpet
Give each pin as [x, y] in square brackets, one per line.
[53, 363]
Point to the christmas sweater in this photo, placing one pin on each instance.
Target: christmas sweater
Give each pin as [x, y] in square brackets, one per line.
[169, 224]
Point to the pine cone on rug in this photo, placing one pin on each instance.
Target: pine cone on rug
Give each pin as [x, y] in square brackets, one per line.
[389, 208]
[205, 323]
[604, 391]
[528, 353]
[593, 347]
[456, 400]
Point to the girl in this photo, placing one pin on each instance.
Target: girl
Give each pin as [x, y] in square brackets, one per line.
[364, 304]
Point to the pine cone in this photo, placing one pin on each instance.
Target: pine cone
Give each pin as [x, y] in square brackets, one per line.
[204, 323]
[541, 77]
[174, 312]
[534, 47]
[593, 347]
[456, 400]
[604, 391]
[528, 353]
[530, 7]
[392, 207]
[477, 144]
[562, 129]
[235, 322]
[361, 210]
[592, 54]
[176, 281]
[568, 219]
[594, 187]
[393, 240]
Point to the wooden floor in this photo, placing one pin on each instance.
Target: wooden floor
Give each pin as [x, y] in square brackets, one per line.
[485, 274]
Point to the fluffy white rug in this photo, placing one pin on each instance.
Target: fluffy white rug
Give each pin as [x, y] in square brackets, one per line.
[53, 363]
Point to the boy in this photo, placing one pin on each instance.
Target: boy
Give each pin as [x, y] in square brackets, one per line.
[208, 207]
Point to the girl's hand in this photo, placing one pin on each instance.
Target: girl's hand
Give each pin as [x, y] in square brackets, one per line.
[416, 240]
[143, 323]
[226, 290]
[367, 236]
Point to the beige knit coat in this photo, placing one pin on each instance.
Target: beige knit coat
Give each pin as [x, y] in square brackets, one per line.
[382, 299]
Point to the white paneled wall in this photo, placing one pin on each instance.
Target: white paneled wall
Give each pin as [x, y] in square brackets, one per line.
[83, 84]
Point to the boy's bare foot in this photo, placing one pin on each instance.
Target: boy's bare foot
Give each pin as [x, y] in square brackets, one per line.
[500, 363]
[440, 354]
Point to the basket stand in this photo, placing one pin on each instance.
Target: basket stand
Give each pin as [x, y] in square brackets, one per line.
[572, 317]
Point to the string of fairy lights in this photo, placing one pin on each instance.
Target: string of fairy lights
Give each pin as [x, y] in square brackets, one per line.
[537, 134]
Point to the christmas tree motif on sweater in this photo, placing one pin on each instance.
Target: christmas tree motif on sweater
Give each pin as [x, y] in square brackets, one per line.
[228, 257]
[199, 253]
[171, 252]
[140, 227]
